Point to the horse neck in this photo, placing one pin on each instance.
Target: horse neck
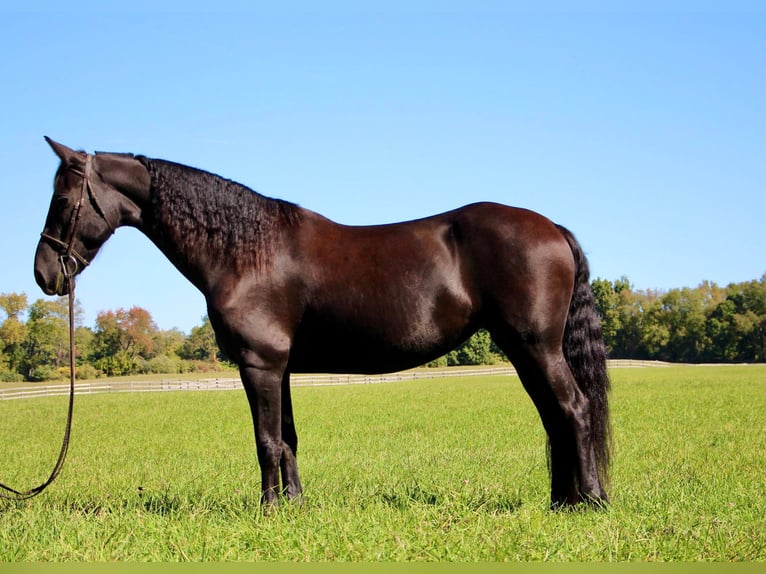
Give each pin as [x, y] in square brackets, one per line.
[180, 238]
[186, 210]
[129, 193]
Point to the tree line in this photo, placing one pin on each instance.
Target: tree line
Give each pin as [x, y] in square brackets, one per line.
[122, 342]
[703, 324]
[706, 324]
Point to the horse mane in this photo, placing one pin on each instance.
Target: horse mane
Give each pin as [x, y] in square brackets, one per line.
[203, 214]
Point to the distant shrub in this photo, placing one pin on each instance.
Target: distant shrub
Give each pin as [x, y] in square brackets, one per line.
[162, 364]
[10, 377]
[44, 373]
[84, 372]
[196, 366]
[437, 363]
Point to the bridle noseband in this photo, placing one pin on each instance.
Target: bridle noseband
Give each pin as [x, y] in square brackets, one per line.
[69, 253]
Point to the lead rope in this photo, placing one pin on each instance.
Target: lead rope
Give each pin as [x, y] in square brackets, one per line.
[19, 495]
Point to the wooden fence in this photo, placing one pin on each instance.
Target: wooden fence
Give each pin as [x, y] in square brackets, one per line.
[228, 384]
[297, 380]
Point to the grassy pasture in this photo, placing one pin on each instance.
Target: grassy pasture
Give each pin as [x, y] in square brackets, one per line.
[448, 470]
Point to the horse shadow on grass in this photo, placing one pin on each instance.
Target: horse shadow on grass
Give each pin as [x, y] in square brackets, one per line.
[408, 495]
[403, 496]
[160, 502]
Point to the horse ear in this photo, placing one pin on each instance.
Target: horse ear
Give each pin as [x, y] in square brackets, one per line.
[64, 153]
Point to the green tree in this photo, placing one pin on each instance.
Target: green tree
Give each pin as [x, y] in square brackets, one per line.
[683, 315]
[655, 334]
[609, 306]
[168, 342]
[631, 320]
[13, 332]
[46, 346]
[201, 345]
[121, 338]
[737, 325]
[750, 300]
[165, 357]
[478, 350]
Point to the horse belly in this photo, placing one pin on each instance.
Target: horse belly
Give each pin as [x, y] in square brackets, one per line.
[340, 354]
[380, 340]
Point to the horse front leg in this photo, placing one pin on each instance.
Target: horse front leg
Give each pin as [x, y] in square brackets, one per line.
[289, 463]
[263, 388]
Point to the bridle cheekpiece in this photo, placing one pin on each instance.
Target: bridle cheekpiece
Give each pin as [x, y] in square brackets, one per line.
[71, 260]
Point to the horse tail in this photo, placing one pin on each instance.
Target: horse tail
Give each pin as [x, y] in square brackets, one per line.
[585, 353]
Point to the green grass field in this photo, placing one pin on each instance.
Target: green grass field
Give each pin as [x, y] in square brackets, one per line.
[448, 470]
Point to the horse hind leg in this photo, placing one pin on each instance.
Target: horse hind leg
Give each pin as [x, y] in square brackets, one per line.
[565, 414]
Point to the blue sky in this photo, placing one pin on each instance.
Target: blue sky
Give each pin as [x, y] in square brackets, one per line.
[642, 130]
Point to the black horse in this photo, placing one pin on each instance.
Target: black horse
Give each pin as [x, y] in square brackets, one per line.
[288, 290]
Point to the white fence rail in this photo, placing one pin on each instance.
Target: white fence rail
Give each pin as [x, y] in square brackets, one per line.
[297, 380]
[228, 384]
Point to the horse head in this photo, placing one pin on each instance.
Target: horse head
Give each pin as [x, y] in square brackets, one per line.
[86, 208]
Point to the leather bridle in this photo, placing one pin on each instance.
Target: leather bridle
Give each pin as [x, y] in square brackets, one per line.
[69, 253]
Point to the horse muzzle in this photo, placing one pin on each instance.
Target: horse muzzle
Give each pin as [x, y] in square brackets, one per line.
[55, 285]
[52, 270]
